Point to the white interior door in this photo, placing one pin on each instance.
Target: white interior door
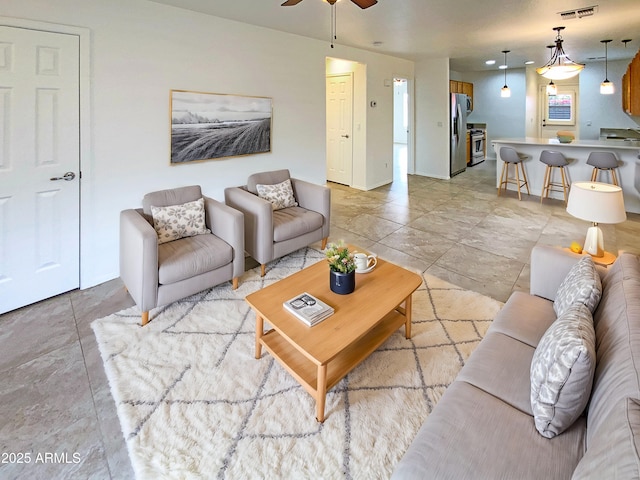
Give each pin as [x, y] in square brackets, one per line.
[39, 165]
[340, 128]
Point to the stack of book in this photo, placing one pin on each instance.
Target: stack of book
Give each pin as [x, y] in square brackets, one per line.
[308, 308]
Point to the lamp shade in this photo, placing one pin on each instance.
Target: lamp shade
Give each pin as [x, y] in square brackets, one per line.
[596, 202]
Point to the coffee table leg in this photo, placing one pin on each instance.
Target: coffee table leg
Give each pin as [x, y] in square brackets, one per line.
[407, 315]
[259, 333]
[321, 392]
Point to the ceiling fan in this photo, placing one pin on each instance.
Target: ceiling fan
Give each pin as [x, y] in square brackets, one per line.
[361, 3]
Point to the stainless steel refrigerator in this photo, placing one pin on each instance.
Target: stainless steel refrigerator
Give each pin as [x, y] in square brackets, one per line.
[458, 133]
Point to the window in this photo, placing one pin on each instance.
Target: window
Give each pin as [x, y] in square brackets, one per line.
[560, 108]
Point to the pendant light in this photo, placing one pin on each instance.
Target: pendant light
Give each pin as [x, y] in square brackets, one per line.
[505, 92]
[606, 87]
[560, 66]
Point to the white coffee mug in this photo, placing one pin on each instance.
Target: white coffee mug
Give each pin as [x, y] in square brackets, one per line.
[364, 262]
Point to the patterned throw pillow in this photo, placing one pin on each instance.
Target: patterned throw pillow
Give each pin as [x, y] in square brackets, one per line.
[280, 195]
[562, 371]
[581, 285]
[179, 221]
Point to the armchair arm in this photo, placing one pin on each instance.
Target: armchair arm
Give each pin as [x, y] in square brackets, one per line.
[258, 222]
[314, 197]
[228, 224]
[139, 258]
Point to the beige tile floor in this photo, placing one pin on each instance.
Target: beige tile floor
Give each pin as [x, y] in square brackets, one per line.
[54, 396]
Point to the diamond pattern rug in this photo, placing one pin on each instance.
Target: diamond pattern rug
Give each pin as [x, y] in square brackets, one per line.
[193, 402]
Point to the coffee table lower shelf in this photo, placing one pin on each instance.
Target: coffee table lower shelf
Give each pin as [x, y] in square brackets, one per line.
[318, 378]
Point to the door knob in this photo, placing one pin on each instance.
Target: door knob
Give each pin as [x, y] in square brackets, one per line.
[345, 136]
[67, 176]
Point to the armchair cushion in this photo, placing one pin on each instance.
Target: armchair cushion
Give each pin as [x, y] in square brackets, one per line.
[293, 222]
[191, 256]
[178, 221]
[280, 195]
[266, 178]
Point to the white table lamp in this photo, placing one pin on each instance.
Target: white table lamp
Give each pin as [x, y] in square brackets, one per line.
[597, 203]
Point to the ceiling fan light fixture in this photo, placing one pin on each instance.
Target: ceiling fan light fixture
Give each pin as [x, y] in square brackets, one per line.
[559, 66]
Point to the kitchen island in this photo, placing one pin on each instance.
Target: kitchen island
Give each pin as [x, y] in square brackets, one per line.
[577, 153]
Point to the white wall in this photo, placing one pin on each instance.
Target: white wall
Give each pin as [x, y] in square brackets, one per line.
[399, 127]
[602, 111]
[505, 117]
[432, 117]
[141, 50]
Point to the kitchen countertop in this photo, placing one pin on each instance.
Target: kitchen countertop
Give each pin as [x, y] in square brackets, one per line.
[633, 145]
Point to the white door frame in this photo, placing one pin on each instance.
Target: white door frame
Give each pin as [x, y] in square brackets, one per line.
[84, 35]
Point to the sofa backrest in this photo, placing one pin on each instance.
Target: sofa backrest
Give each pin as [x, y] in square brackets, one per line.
[617, 325]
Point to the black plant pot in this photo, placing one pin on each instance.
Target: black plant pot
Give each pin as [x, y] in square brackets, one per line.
[342, 283]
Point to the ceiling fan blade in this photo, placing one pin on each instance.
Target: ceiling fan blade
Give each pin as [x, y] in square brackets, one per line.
[290, 3]
[365, 3]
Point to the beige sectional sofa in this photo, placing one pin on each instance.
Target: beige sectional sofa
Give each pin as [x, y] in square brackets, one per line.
[484, 428]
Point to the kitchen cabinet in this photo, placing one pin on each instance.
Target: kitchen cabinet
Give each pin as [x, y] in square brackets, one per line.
[631, 87]
[462, 87]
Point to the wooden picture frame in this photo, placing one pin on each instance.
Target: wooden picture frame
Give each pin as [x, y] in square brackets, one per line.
[210, 126]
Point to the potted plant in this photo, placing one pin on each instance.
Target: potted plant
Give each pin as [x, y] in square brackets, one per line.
[342, 268]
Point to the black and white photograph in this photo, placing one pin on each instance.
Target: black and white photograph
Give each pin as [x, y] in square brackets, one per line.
[206, 126]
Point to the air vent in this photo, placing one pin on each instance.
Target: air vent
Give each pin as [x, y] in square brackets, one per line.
[579, 13]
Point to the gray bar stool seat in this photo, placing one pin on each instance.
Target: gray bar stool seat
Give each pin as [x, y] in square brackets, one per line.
[509, 157]
[554, 160]
[603, 161]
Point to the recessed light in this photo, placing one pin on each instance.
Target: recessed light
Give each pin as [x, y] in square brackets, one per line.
[502, 67]
[490, 62]
[529, 62]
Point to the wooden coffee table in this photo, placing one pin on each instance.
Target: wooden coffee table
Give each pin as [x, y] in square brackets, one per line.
[319, 357]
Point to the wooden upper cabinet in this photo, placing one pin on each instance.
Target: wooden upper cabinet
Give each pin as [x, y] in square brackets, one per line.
[631, 87]
[462, 87]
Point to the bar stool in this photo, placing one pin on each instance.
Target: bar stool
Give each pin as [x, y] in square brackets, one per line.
[509, 156]
[603, 161]
[553, 160]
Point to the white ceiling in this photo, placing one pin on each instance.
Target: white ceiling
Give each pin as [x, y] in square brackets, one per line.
[468, 32]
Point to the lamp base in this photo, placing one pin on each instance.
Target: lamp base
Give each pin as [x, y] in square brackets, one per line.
[593, 243]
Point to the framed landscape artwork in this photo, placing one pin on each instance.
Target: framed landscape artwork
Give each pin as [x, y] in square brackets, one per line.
[206, 126]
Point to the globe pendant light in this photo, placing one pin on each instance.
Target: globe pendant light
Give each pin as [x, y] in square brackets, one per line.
[606, 87]
[560, 66]
[505, 92]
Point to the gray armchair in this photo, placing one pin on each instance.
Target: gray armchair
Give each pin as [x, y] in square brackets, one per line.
[271, 234]
[158, 274]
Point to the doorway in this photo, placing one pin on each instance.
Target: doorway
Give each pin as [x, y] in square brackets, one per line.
[40, 151]
[339, 90]
[558, 112]
[400, 129]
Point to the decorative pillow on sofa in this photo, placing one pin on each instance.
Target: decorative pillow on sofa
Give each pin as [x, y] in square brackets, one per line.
[581, 285]
[562, 371]
[178, 221]
[280, 195]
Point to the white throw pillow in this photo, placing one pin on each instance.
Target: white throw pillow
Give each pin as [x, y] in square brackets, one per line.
[280, 195]
[562, 371]
[581, 285]
[178, 221]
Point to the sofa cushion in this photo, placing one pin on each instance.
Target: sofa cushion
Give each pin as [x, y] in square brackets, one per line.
[294, 221]
[617, 325]
[509, 381]
[280, 195]
[179, 221]
[525, 318]
[581, 285]
[613, 452]
[191, 256]
[473, 435]
[562, 371]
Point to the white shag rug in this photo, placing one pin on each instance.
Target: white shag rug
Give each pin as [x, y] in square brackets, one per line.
[193, 402]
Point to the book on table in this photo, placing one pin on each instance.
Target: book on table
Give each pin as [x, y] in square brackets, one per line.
[308, 308]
